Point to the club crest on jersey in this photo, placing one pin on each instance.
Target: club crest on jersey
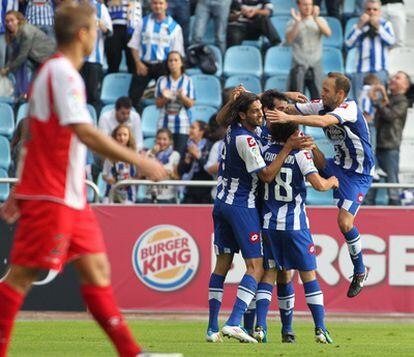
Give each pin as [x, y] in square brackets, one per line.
[360, 197]
[335, 133]
[251, 142]
[165, 258]
[311, 249]
[254, 237]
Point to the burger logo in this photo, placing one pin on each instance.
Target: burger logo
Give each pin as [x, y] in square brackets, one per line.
[165, 258]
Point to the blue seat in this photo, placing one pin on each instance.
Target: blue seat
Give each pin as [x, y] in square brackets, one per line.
[149, 143]
[316, 133]
[349, 25]
[349, 7]
[350, 65]
[101, 186]
[279, 82]
[278, 60]
[6, 120]
[283, 7]
[149, 121]
[255, 43]
[337, 37]
[332, 60]
[325, 146]
[115, 85]
[243, 60]
[219, 63]
[4, 187]
[251, 83]
[317, 198]
[202, 112]
[280, 22]
[22, 112]
[5, 158]
[92, 112]
[207, 90]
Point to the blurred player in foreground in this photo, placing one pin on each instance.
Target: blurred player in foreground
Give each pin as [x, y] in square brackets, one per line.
[353, 165]
[55, 222]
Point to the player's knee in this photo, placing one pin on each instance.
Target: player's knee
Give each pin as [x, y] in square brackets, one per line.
[307, 276]
[223, 264]
[283, 277]
[21, 278]
[254, 267]
[345, 223]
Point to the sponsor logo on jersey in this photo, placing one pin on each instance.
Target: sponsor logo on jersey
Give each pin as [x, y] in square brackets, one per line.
[251, 141]
[165, 258]
[254, 237]
[312, 249]
[335, 133]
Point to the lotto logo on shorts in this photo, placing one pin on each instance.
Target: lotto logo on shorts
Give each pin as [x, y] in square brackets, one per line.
[360, 198]
[312, 249]
[165, 258]
[254, 237]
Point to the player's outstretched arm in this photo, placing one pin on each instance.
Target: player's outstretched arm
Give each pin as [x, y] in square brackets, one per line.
[321, 184]
[109, 148]
[321, 121]
[223, 117]
[318, 158]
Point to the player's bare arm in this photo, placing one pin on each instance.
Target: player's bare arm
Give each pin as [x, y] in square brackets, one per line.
[223, 117]
[321, 184]
[321, 121]
[109, 148]
[318, 158]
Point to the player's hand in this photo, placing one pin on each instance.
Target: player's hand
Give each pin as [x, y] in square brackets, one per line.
[298, 141]
[277, 116]
[296, 15]
[237, 91]
[142, 69]
[152, 169]
[297, 97]
[9, 211]
[363, 20]
[334, 182]
[316, 11]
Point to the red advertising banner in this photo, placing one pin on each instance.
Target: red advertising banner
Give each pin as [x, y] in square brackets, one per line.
[162, 258]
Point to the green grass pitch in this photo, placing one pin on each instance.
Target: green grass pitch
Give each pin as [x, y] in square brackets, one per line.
[83, 338]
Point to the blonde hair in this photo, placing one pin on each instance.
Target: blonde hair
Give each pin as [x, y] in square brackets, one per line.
[131, 141]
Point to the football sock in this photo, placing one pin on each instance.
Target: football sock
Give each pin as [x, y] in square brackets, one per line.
[263, 299]
[245, 294]
[101, 303]
[314, 299]
[353, 239]
[249, 316]
[286, 301]
[215, 296]
[10, 302]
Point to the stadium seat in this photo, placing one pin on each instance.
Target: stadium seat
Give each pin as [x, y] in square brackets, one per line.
[280, 22]
[202, 112]
[101, 185]
[401, 59]
[4, 187]
[325, 146]
[278, 60]
[406, 155]
[332, 60]
[243, 60]
[337, 38]
[409, 38]
[22, 112]
[349, 25]
[149, 121]
[149, 143]
[251, 83]
[219, 63]
[283, 7]
[207, 90]
[279, 82]
[255, 43]
[92, 112]
[349, 7]
[5, 158]
[350, 66]
[316, 133]
[6, 120]
[317, 198]
[115, 85]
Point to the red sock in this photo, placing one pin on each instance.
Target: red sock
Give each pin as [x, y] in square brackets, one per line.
[101, 303]
[10, 302]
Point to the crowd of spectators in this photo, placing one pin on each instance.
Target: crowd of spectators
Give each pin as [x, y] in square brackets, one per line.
[151, 38]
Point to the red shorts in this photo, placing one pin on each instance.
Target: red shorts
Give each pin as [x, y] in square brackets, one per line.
[49, 234]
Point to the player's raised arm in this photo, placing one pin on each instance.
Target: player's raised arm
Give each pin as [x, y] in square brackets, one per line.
[109, 148]
[321, 184]
[223, 117]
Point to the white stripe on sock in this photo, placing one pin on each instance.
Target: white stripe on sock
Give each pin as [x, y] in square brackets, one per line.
[286, 304]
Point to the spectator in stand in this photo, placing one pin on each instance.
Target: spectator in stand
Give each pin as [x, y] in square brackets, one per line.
[217, 11]
[150, 44]
[304, 32]
[372, 37]
[164, 152]
[92, 70]
[122, 114]
[333, 7]
[175, 96]
[250, 19]
[29, 47]
[116, 171]
[42, 15]
[5, 6]
[16, 143]
[391, 113]
[126, 15]
[395, 12]
[192, 161]
[179, 10]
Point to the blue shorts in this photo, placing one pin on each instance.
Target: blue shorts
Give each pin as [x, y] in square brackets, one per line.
[289, 250]
[352, 187]
[237, 228]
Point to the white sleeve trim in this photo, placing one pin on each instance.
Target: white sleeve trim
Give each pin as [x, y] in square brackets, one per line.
[249, 151]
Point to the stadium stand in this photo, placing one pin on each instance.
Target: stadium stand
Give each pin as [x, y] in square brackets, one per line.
[337, 38]
[349, 7]
[280, 22]
[22, 112]
[283, 7]
[332, 60]
[277, 61]
[219, 63]
[4, 187]
[149, 143]
[401, 59]
[202, 112]
[6, 120]
[350, 65]
[243, 60]
[115, 85]
[101, 185]
[316, 133]
[325, 146]
[149, 121]
[208, 38]
[207, 90]
[92, 112]
[279, 82]
[5, 157]
[251, 83]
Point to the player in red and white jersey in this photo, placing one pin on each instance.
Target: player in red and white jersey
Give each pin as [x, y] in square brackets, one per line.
[55, 222]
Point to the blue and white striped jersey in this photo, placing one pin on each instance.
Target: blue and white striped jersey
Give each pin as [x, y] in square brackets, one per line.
[372, 51]
[365, 102]
[284, 198]
[154, 40]
[350, 137]
[241, 159]
[5, 6]
[40, 13]
[174, 115]
[125, 12]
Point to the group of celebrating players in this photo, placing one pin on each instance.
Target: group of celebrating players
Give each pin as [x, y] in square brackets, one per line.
[260, 204]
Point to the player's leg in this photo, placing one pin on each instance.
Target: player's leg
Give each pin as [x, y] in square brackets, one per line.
[286, 302]
[249, 317]
[314, 299]
[13, 289]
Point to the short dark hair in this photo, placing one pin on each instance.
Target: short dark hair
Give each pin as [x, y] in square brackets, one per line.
[168, 57]
[342, 82]
[123, 102]
[281, 132]
[242, 104]
[269, 96]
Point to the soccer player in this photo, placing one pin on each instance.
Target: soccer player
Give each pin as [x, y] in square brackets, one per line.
[353, 165]
[236, 218]
[56, 224]
[288, 243]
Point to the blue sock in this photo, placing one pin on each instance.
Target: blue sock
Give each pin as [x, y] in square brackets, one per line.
[263, 299]
[314, 299]
[249, 316]
[215, 295]
[353, 240]
[245, 294]
[286, 301]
